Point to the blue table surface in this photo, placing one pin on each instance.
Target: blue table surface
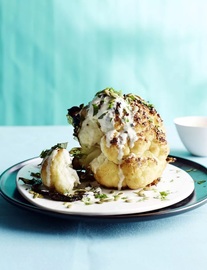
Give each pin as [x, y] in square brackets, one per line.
[30, 240]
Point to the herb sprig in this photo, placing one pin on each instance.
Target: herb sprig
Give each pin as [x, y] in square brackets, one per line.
[48, 152]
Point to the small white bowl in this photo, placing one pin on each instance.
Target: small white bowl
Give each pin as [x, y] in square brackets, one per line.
[193, 133]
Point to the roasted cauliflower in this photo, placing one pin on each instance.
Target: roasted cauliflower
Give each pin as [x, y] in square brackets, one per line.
[122, 140]
[56, 170]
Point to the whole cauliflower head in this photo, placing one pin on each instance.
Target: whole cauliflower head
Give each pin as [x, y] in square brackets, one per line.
[122, 139]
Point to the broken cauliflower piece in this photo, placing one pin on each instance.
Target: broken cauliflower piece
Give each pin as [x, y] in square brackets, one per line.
[122, 139]
[56, 170]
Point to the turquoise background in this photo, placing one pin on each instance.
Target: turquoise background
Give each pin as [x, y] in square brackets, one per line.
[57, 53]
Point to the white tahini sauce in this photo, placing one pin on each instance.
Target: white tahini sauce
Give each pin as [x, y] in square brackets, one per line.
[50, 159]
[105, 116]
[121, 178]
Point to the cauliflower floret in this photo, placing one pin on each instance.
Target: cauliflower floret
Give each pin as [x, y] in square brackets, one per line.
[90, 134]
[141, 171]
[57, 172]
[107, 173]
[128, 135]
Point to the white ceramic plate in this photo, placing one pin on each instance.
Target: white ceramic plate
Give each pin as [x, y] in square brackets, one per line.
[175, 185]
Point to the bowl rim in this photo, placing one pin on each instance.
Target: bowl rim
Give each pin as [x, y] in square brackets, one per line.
[180, 121]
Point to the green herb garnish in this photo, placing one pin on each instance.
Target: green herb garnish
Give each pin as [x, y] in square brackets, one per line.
[32, 181]
[101, 116]
[201, 182]
[95, 109]
[36, 175]
[109, 92]
[163, 195]
[100, 196]
[111, 104]
[48, 152]
[76, 151]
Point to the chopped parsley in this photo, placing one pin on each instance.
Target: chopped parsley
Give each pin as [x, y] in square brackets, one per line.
[109, 92]
[201, 182]
[48, 152]
[95, 109]
[163, 195]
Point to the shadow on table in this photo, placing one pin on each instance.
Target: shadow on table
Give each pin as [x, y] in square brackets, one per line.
[16, 219]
